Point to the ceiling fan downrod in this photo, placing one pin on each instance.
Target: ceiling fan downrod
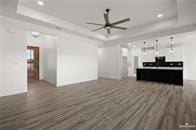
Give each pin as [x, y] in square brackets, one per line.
[107, 10]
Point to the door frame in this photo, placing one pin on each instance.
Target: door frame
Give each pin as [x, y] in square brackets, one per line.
[38, 62]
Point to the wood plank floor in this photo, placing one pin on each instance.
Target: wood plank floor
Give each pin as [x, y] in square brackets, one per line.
[102, 104]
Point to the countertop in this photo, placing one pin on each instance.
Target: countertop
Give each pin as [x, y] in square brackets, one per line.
[163, 68]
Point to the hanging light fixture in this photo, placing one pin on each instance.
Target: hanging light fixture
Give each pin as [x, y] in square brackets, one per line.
[144, 53]
[171, 48]
[156, 48]
[35, 34]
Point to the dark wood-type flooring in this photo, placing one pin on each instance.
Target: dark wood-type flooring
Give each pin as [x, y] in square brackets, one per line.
[102, 104]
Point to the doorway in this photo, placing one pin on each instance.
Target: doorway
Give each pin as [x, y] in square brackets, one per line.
[32, 63]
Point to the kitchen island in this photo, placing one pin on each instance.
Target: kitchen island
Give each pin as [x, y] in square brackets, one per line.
[171, 75]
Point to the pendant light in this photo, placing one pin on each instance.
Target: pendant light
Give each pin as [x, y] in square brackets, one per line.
[144, 53]
[171, 48]
[156, 48]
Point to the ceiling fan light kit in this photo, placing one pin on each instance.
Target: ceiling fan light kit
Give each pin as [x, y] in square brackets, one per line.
[107, 25]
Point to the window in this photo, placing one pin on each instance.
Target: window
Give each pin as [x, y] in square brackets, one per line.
[125, 52]
[30, 59]
[30, 54]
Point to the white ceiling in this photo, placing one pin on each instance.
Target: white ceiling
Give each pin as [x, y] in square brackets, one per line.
[178, 40]
[141, 12]
[70, 16]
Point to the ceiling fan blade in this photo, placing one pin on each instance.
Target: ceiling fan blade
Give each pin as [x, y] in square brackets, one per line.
[97, 29]
[121, 21]
[117, 27]
[106, 17]
[108, 31]
[95, 24]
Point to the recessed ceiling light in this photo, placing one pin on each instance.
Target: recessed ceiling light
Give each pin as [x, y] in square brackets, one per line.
[41, 3]
[159, 15]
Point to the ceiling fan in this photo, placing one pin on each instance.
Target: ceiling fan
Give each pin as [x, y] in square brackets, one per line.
[108, 26]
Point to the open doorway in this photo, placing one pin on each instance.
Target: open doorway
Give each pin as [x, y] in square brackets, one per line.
[33, 63]
[42, 59]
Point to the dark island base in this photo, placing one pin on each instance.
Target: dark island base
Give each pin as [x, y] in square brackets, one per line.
[171, 76]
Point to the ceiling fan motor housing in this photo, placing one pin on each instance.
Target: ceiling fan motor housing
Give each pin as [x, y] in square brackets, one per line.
[107, 10]
[107, 25]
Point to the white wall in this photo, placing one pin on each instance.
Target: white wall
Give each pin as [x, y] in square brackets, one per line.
[110, 62]
[13, 61]
[124, 66]
[134, 52]
[77, 60]
[76, 57]
[177, 55]
[125, 52]
[1, 53]
[189, 56]
[50, 60]
[48, 55]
